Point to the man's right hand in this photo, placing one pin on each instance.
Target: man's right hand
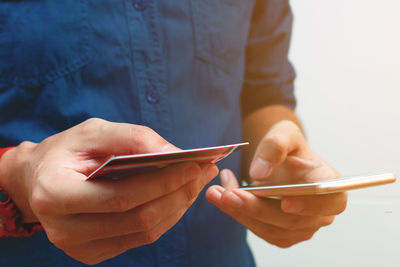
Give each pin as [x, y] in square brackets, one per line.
[92, 221]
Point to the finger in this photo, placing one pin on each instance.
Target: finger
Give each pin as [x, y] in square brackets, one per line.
[284, 138]
[107, 138]
[281, 237]
[329, 204]
[99, 250]
[83, 227]
[228, 179]
[277, 236]
[80, 196]
[264, 210]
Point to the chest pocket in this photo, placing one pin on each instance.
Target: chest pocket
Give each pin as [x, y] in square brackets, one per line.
[221, 30]
[41, 40]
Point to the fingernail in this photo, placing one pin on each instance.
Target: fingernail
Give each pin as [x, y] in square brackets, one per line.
[292, 205]
[260, 168]
[210, 172]
[232, 200]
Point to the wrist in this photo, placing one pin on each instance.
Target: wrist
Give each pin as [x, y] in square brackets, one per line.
[13, 179]
[4, 152]
[11, 219]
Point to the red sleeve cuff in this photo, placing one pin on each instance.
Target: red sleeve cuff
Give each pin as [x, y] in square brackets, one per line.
[10, 216]
[4, 150]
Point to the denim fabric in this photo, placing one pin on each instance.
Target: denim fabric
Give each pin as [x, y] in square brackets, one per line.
[188, 69]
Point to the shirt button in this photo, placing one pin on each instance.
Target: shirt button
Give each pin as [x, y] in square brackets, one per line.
[139, 5]
[152, 96]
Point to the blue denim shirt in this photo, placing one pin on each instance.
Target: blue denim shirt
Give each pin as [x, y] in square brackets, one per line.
[188, 69]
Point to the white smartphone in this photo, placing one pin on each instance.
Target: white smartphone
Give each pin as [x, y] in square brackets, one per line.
[325, 187]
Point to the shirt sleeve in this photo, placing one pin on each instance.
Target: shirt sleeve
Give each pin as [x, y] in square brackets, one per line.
[269, 75]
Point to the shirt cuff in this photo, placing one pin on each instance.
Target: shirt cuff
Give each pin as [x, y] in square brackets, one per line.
[10, 217]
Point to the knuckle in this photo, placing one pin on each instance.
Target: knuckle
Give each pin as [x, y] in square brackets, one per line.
[150, 237]
[327, 220]
[100, 256]
[142, 131]
[294, 223]
[146, 219]
[176, 181]
[60, 239]
[305, 235]
[94, 121]
[26, 145]
[276, 143]
[190, 191]
[181, 176]
[88, 257]
[119, 203]
[283, 243]
[144, 138]
[308, 236]
[189, 172]
[145, 129]
[293, 127]
[91, 126]
[274, 231]
[91, 261]
[169, 185]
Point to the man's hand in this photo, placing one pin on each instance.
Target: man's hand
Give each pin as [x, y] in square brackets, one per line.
[96, 220]
[282, 157]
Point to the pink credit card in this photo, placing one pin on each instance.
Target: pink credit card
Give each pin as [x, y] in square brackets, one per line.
[120, 166]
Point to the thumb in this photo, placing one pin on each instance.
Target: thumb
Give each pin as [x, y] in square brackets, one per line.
[283, 139]
[102, 137]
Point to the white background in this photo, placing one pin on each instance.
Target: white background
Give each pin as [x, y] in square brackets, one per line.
[347, 58]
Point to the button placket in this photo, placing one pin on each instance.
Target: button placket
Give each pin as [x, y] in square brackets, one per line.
[152, 96]
[149, 66]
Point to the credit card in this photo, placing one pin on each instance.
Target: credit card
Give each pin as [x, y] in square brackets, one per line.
[128, 165]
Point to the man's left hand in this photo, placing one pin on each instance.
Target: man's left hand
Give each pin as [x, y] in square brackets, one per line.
[282, 157]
